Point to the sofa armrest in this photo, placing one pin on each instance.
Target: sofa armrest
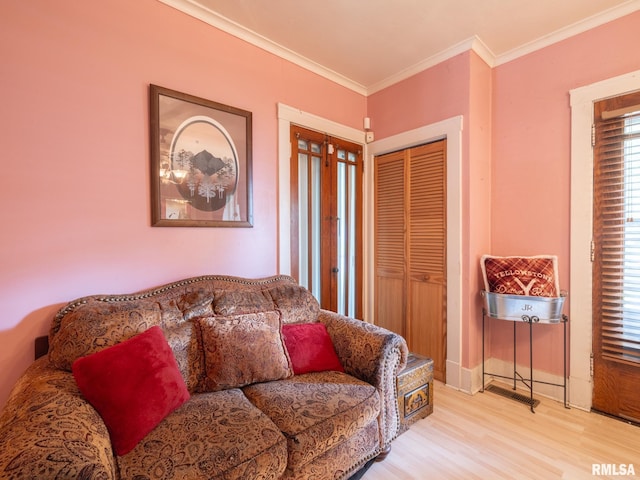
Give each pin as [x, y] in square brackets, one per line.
[48, 430]
[372, 354]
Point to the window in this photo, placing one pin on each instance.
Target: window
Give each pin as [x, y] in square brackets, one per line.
[617, 228]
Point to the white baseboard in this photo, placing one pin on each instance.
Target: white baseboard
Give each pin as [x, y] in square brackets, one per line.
[469, 380]
[581, 392]
[462, 379]
[453, 374]
[505, 369]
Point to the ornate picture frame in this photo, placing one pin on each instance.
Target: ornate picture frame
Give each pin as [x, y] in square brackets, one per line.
[201, 162]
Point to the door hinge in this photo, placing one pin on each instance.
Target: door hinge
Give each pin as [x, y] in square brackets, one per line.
[593, 135]
[592, 253]
[591, 364]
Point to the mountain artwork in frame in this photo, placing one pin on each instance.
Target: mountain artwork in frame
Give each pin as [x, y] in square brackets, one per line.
[200, 162]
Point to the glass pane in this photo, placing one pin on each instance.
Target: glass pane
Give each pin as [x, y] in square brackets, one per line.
[302, 144]
[309, 170]
[346, 241]
[314, 215]
[303, 207]
[342, 154]
[351, 281]
[316, 148]
[631, 278]
[352, 157]
[342, 238]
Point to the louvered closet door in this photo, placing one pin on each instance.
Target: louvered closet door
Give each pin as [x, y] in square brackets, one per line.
[390, 242]
[410, 253]
[427, 253]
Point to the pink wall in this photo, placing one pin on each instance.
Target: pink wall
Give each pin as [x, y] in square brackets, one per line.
[477, 218]
[435, 94]
[76, 211]
[516, 157]
[74, 83]
[461, 85]
[531, 154]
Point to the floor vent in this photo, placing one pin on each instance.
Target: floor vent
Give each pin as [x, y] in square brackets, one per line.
[513, 395]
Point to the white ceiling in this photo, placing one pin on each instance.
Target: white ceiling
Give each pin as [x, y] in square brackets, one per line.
[367, 45]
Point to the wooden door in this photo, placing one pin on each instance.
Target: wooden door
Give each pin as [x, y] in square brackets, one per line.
[390, 258]
[410, 248]
[616, 257]
[326, 213]
[426, 254]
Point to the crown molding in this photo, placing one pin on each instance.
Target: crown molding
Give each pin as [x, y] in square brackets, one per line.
[222, 23]
[572, 30]
[474, 43]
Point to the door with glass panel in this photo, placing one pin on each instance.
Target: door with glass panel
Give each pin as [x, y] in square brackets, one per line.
[616, 257]
[326, 219]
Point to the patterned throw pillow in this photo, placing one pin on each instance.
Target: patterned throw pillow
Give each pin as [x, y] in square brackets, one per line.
[535, 276]
[243, 349]
[133, 385]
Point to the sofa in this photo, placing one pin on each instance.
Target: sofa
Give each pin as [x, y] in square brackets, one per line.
[210, 377]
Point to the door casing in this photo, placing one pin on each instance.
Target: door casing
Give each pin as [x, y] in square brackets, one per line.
[465, 379]
[581, 226]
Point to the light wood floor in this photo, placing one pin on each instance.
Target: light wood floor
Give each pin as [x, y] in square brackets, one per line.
[486, 436]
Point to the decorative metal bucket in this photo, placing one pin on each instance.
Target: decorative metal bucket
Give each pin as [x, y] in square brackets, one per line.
[523, 307]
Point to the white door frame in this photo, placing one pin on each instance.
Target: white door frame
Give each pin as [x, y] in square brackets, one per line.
[450, 129]
[582, 100]
[286, 116]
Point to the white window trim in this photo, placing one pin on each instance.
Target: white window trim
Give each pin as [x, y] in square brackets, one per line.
[582, 101]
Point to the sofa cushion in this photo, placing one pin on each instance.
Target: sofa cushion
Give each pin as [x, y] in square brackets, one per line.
[316, 411]
[184, 341]
[237, 302]
[192, 304]
[92, 328]
[49, 430]
[100, 322]
[310, 348]
[243, 349]
[295, 303]
[215, 435]
[133, 385]
[345, 459]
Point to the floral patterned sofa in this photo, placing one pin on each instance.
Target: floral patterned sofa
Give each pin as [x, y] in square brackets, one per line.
[248, 401]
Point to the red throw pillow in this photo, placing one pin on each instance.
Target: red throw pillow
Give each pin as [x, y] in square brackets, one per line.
[133, 385]
[310, 348]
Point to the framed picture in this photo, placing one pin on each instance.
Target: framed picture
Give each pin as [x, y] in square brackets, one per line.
[200, 162]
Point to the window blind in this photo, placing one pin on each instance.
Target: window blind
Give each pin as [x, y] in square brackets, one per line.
[617, 228]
